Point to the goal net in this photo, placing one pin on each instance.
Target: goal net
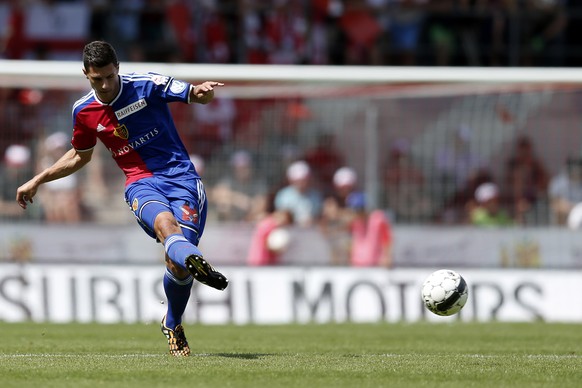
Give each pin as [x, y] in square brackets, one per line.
[420, 139]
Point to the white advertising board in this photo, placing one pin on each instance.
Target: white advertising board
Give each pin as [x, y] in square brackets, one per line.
[276, 295]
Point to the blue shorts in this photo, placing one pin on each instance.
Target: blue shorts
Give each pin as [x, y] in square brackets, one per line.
[186, 199]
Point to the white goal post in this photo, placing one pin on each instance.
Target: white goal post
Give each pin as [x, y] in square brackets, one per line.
[65, 74]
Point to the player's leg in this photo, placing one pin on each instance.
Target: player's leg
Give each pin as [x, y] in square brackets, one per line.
[174, 213]
[189, 204]
[177, 286]
[177, 241]
[155, 215]
[148, 206]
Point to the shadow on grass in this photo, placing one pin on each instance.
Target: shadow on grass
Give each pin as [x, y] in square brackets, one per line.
[243, 356]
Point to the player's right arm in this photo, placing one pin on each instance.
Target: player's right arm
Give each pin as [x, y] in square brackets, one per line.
[70, 162]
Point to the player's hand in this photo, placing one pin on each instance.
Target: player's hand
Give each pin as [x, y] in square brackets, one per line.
[204, 92]
[25, 193]
[206, 87]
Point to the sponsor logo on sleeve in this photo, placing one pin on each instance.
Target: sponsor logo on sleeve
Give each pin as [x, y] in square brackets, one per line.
[160, 79]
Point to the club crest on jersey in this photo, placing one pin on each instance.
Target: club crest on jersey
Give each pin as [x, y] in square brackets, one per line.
[135, 205]
[188, 213]
[121, 132]
[177, 87]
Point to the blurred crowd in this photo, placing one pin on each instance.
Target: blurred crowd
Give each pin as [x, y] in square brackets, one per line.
[317, 190]
[336, 32]
[246, 164]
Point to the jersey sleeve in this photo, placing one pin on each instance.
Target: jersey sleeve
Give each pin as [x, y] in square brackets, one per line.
[84, 138]
[168, 88]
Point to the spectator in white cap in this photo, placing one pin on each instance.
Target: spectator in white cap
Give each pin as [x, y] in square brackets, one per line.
[487, 192]
[345, 180]
[298, 171]
[565, 191]
[16, 164]
[488, 210]
[299, 196]
[17, 155]
[334, 216]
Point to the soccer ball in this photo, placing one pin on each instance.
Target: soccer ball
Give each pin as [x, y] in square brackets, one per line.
[444, 292]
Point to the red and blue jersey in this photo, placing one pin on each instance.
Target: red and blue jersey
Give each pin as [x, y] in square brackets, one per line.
[136, 127]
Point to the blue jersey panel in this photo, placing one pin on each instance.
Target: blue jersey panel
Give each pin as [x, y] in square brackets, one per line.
[142, 108]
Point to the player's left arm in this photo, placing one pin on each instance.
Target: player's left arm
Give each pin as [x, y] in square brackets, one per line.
[70, 162]
[203, 93]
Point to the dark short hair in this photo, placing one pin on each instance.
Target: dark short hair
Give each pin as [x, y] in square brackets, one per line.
[99, 54]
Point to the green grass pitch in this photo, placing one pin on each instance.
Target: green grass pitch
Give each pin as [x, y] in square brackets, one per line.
[306, 356]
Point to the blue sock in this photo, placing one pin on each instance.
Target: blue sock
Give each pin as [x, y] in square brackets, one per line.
[178, 293]
[178, 249]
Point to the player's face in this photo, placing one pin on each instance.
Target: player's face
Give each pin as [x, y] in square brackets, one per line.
[104, 80]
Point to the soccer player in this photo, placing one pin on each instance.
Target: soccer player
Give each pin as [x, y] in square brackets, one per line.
[130, 116]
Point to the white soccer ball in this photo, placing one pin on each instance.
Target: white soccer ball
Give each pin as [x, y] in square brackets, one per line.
[444, 292]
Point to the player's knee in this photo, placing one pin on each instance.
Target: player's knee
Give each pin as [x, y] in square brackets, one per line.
[166, 225]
